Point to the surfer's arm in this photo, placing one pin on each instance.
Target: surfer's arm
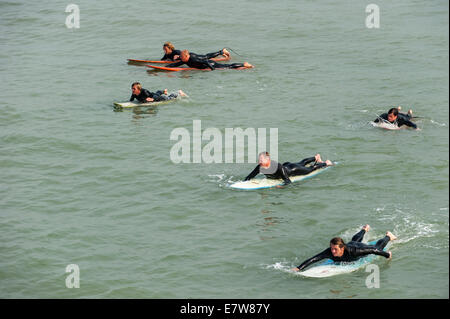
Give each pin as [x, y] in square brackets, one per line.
[323, 255]
[284, 176]
[382, 117]
[407, 123]
[252, 174]
[209, 65]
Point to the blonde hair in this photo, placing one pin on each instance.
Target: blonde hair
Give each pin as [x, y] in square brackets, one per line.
[184, 53]
[169, 45]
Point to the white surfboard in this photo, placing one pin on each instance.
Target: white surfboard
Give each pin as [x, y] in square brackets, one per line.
[135, 104]
[330, 268]
[386, 125]
[259, 183]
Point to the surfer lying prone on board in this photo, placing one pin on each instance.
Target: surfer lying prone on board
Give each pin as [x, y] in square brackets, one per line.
[393, 116]
[353, 250]
[143, 95]
[275, 170]
[200, 62]
[171, 54]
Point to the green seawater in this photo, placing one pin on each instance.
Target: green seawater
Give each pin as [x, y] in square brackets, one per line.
[82, 184]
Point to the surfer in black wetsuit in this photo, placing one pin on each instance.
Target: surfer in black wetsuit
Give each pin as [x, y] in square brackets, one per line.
[393, 116]
[275, 170]
[143, 95]
[353, 250]
[171, 54]
[203, 62]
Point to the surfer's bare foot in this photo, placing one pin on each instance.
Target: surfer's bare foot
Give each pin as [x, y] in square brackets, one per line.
[318, 159]
[248, 65]
[410, 112]
[399, 108]
[366, 227]
[181, 93]
[225, 53]
[391, 236]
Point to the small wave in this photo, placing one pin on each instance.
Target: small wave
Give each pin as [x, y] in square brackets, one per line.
[222, 179]
[437, 123]
[407, 226]
[219, 176]
[283, 266]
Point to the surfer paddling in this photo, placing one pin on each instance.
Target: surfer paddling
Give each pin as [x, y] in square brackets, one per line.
[275, 170]
[171, 54]
[353, 250]
[143, 95]
[203, 62]
[393, 116]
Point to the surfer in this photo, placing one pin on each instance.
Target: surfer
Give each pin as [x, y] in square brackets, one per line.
[171, 54]
[275, 170]
[202, 62]
[353, 250]
[143, 95]
[393, 116]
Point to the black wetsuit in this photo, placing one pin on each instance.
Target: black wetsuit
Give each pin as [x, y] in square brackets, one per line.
[278, 171]
[402, 119]
[171, 55]
[353, 251]
[209, 55]
[157, 96]
[202, 62]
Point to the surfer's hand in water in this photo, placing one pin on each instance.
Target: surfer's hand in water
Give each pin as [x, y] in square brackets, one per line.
[390, 255]
[165, 91]
[328, 162]
[294, 269]
[279, 186]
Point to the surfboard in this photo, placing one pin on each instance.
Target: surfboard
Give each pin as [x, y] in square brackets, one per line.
[164, 68]
[167, 62]
[135, 104]
[330, 268]
[260, 183]
[176, 69]
[148, 61]
[386, 125]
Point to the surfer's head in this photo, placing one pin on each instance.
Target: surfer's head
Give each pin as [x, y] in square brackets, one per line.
[337, 246]
[136, 88]
[392, 114]
[168, 47]
[184, 56]
[264, 159]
